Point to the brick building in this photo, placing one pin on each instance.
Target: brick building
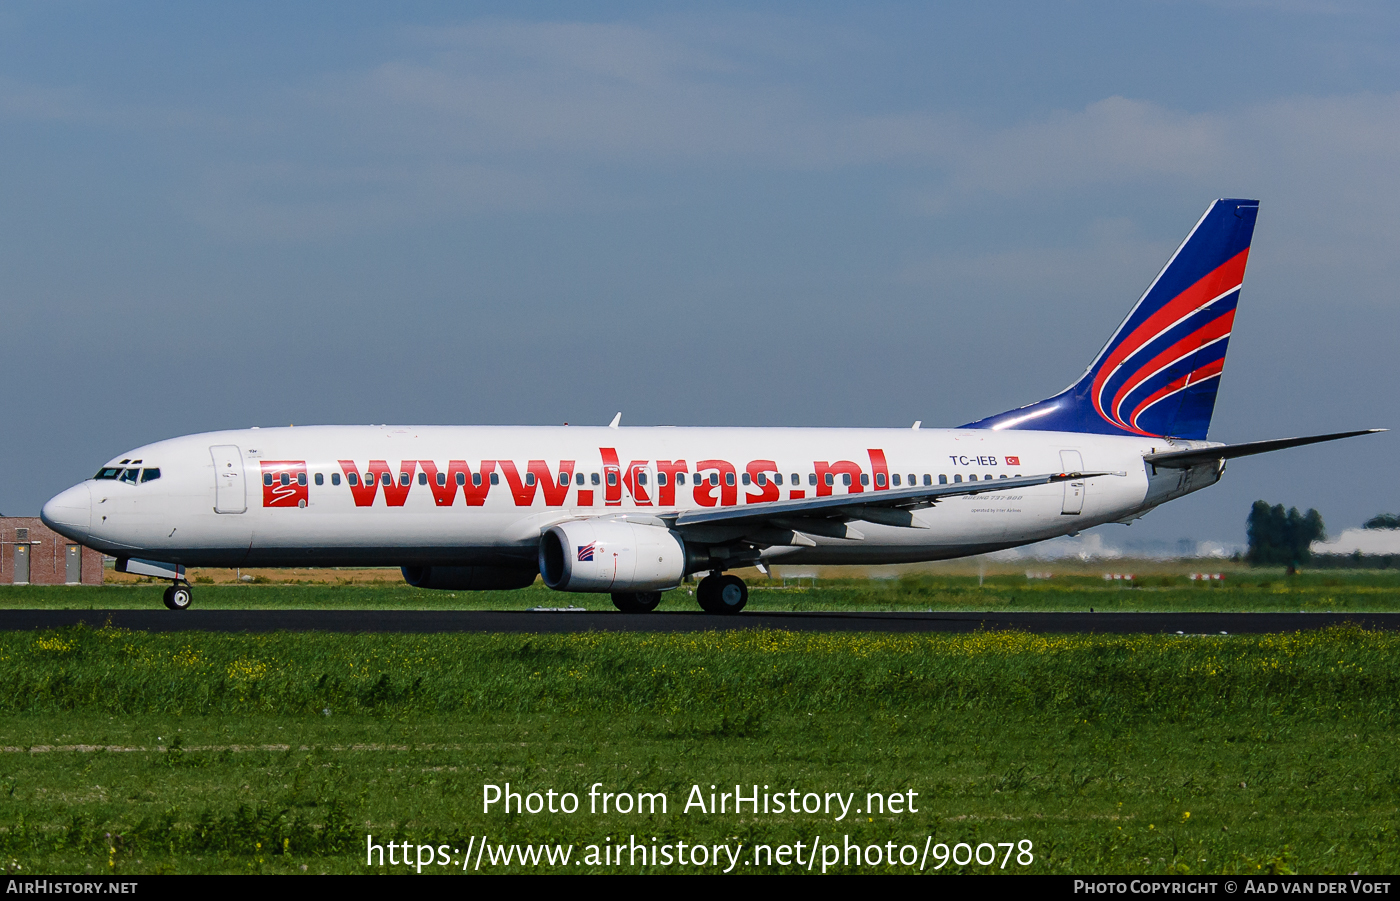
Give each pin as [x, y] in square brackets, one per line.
[33, 554]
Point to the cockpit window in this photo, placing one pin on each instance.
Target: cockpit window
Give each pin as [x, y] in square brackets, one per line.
[150, 474]
[129, 475]
[108, 472]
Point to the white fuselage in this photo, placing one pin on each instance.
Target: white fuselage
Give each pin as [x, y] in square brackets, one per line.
[219, 499]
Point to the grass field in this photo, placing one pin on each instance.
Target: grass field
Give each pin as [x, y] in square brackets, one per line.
[193, 752]
[1156, 588]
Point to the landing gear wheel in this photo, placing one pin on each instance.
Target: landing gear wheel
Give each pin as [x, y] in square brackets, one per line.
[177, 596]
[722, 594]
[638, 602]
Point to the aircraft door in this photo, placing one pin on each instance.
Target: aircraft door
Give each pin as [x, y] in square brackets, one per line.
[653, 490]
[230, 495]
[640, 482]
[1071, 461]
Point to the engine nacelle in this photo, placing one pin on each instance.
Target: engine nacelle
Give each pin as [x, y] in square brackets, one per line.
[468, 578]
[611, 556]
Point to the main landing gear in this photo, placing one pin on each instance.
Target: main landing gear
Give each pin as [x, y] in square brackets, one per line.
[722, 594]
[636, 602]
[719, 594]
[177, 596]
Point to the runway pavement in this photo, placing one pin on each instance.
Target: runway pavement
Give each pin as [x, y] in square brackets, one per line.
[427, 621]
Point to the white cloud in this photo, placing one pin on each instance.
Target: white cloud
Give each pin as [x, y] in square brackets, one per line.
[508, 116]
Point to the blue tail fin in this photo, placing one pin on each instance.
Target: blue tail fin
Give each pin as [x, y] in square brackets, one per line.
[1159, 372]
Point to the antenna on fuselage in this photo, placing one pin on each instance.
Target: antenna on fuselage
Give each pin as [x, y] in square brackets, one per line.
[616, 420]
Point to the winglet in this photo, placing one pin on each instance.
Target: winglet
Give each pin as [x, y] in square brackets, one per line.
[616, 419]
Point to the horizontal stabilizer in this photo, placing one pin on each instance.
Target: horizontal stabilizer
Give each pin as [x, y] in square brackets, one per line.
[1187, 458]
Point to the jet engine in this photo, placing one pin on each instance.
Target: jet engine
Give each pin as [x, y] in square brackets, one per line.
[468, 578]
[589, 555]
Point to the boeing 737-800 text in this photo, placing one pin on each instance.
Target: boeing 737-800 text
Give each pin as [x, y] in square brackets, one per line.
[634, 511]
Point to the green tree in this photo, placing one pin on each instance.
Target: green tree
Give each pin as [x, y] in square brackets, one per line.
[1277, 538]
[1382, 521]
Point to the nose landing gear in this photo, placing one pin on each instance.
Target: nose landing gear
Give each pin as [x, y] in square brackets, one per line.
[720, 594]
[178, 596]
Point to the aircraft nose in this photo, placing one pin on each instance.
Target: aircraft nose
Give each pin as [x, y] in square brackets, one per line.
[69, 513]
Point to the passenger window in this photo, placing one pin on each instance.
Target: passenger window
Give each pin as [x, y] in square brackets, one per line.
[680, 478]
[762, 478]
[563, 480]
[404, 479]
[865, 479]
[150, 475]
[879, 480]
[301, 479]
[747, 480]
[661, 479]
[593, 477]
[714, 478]
[335, 478]
[928, 479]
[896, 480]
[812, 478]
[796, 480]
[957, 478]
[461, 478]
[476, 479]
[612, 479]
[641, 478]
[353, 478]
[972, 477]
[442, 478]
[267, 478]
[384, 479]
[1001, 477]
[846, 479]
[830, 480]
[530, 479]
[777, 478]
[495, 478]
[129, 475]
[423, 478]
[320, 479]
[913, 480]
[729, 479]
[579, 479]
[285, 478]
[942, 479]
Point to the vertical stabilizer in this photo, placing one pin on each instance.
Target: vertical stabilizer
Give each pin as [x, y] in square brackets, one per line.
[1159, 373]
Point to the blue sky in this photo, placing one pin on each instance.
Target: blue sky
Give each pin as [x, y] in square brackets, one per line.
[756, 214]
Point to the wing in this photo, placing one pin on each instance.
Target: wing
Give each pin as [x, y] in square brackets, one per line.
[1185, 459]
[784, 522]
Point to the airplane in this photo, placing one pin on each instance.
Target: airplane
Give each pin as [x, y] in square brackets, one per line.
[633, 512]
